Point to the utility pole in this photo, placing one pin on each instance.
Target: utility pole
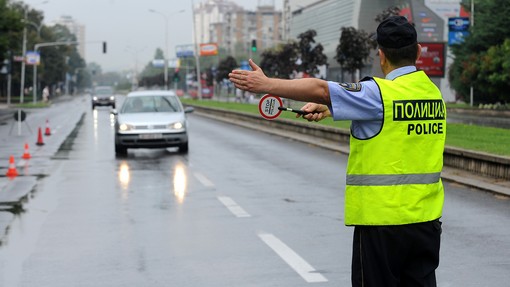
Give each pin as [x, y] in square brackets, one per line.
[471, 90]
[197, 53]
[23, 54]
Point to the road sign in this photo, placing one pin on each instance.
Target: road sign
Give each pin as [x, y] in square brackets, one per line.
[158, 63]
[184, 51]
[32, 58]
[269, 106]
[458, 29]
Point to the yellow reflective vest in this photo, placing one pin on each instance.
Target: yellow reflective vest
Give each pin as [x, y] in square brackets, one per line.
[394, 177]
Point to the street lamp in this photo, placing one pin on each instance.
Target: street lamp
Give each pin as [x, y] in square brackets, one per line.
[134, 80]
[166, 42]
[24, 50]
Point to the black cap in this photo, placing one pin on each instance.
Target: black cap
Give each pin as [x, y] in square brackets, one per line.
[395, 32]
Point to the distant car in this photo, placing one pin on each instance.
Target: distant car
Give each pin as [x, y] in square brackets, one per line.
[151, 119]
[103, 96]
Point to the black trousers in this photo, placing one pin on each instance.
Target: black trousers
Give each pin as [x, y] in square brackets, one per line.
[397, 255]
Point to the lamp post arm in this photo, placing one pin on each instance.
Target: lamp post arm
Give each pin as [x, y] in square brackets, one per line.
[36, 47]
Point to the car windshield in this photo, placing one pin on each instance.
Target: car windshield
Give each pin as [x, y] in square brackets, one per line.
[104, 91]
[151, 104]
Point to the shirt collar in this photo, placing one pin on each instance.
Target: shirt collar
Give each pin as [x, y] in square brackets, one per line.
[400, 71]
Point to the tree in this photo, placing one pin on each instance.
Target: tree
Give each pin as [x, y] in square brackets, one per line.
[11, 28]
[225, 67]
[311, 56]
[153, 76]
[302, 56]
[353, 51]
[480, 60]
[388, 12]
[281, 61]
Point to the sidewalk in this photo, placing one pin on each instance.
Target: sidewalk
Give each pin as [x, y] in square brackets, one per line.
[60, 118]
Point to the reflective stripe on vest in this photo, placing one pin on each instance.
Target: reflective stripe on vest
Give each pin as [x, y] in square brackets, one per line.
[392, 179]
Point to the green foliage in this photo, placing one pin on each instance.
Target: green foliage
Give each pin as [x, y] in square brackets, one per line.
[225, 67]
[470, 137]
[311, 57]
[390, 11]
[11, 28]
[281, 62]
[353, 51]
[481, 61]
[485, 139]
[56, 61]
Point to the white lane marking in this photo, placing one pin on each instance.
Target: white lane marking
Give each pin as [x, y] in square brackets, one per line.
[204, 180]
[295, 261]
[233, 206]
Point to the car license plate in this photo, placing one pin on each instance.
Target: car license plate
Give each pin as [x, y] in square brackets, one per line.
[150, 136]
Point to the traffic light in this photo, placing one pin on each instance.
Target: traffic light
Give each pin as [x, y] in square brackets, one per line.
[176, 77]
[104, 47]
[254, 45]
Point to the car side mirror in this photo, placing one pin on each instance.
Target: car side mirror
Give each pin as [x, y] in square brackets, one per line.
[188, 110]
[114, 112]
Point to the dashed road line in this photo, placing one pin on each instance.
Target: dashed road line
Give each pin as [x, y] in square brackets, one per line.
[233, 206]
[204, 180]
[303, 268]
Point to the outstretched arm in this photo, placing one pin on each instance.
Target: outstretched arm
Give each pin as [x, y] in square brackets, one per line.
[305, 90]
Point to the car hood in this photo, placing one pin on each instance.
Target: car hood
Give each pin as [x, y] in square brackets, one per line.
[150, 118]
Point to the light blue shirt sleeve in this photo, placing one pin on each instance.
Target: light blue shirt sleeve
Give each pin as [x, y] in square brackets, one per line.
[362, 105]
[353, 104]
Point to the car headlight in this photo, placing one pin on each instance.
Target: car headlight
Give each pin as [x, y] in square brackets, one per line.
[112, 98]
[176, 126]
[125, 127]
[94, 98]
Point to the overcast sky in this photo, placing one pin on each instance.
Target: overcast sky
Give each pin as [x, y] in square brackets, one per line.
[132, 32]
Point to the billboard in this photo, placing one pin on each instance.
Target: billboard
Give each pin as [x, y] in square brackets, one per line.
[209, 49]
[432, 59]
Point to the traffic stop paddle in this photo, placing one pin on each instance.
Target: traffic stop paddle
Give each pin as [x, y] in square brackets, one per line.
[270, 107]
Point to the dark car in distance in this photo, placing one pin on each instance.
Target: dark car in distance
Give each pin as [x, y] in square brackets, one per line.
[103, 96]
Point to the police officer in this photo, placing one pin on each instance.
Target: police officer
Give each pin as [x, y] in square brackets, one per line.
[394, 194]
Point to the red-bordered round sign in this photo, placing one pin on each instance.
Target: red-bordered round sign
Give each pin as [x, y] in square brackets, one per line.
[268, 106]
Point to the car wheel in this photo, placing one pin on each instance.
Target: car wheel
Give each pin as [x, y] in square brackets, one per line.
[113, 106]
[93, 106]
[120, 150]
[183, 148]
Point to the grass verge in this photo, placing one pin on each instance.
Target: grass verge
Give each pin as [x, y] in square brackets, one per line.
[478, 138]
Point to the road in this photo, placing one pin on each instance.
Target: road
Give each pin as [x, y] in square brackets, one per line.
[243, 208]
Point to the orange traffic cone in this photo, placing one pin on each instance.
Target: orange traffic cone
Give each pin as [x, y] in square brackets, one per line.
[26, 154]
[11, 172]
[47, 132]
[39, 138]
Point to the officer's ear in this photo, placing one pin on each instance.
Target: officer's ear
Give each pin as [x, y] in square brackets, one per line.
[418, 53]
[382, 57]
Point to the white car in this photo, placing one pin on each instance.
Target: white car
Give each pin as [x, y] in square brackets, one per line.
[151, 119]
